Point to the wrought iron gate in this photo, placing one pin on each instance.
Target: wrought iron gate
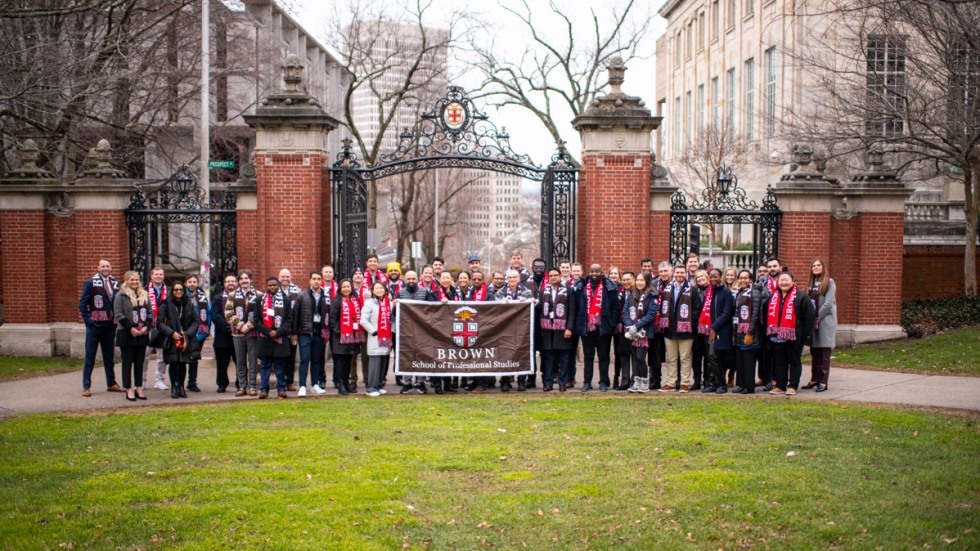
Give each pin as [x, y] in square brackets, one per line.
[181, 201]
[452, 134]
[723, 202]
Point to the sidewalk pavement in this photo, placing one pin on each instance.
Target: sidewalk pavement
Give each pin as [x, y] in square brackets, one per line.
[63, 392]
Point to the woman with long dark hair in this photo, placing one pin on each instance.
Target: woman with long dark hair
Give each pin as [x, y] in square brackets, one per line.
[639, 311]
[178, 322]
[823, 293]
[748, 331]
[346, 334]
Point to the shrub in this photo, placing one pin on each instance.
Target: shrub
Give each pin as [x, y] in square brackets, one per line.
[922, 317]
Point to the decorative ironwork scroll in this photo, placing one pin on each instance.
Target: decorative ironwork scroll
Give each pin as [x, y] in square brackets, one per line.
[181, 201]
[723, 202]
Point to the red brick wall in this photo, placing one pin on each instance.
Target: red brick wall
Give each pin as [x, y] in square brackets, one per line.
[248, 246]
[803, 237]
[879, 294]
[23, 270]
[933, 272]
[614, 222]
[845, 272]
[98, 234]
[290, 196]
[62, 261]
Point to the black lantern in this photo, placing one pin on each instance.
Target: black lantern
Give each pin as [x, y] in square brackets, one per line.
[183, 181]
[725, 180]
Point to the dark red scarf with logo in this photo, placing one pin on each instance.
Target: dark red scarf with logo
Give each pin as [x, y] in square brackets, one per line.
[782, 326]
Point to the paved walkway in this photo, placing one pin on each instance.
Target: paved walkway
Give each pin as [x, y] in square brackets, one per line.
[63, 392]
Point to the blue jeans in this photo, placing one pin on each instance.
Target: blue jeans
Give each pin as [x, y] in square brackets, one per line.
[312, 349]
[100, 336]
[280, 364]
[555, 362]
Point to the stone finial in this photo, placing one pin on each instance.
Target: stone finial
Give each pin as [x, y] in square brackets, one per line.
[617, 70]
[292, 73]
[876, 157]
[29, 172]
[98, 162]
[800, 174]
[877, 175]
[802, 155]
[29, 154]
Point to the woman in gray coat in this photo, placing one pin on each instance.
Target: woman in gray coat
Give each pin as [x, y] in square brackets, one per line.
[376, 321]
[822, 292]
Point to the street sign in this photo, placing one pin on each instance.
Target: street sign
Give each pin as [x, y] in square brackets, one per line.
[221, 164]
[416, 249]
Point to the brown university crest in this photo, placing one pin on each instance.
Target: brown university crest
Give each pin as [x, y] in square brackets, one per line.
[465, 327]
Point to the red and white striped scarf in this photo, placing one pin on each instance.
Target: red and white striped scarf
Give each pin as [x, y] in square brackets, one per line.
[704, 321]
[784, 326]
[156, 301]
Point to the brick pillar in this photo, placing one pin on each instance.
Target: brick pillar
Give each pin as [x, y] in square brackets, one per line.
[614, 222]
[52, 236]
[289, 227]
[857, 228]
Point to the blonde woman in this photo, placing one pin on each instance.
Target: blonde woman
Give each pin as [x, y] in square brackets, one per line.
[131, 309]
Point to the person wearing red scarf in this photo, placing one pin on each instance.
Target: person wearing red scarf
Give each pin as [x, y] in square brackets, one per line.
[598, 308]
[789, 321]
[328, 282]
[346, 335]
[274, 314]
[716, 315]
[376, 321]
[372, 275]
[767, 285]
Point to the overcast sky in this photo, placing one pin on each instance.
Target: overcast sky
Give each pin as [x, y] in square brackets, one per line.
[527, 134]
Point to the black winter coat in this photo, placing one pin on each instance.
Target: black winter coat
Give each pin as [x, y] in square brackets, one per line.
[336, 346]
[608, 319]
[264, 346]
[179, 317]
[222, 331]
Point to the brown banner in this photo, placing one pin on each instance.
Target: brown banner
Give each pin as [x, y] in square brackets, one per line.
[463, 338]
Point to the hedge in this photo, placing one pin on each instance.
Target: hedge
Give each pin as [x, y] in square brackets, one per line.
[923, 317]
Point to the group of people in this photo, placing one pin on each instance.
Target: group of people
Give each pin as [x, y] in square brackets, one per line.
[683, 328]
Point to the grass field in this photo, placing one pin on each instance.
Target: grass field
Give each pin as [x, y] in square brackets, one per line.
[14, 367]
[953, 352]
[555, 472]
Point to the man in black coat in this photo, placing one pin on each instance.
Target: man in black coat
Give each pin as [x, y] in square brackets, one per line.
[95, 306]
[720, 337]
[224, 346]
[556, 344]
[273, 317]
[598, 292]
[412, 291]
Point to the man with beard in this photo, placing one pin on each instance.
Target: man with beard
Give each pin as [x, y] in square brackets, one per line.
[658, 348]
[272, 317]
[199, 301]
[412, 291]
[224, 346]
[497, 282]
[513, 292]
[395, 283]
[473, 263]
[596, 321]
[95, 306]
[767, 284]
[536, 284]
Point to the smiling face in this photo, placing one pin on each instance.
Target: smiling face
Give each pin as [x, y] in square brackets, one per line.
[744, 280]
[346, 288]
[463, 280]
[477, 279]
[680, 274]
[785, 282]
[133, 281]
[817, 268]
[105, 268]
[230, 284]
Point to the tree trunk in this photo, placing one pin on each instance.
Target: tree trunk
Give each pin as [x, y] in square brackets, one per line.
[972, 207]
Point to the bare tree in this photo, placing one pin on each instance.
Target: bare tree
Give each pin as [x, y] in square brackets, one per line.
[560, 73]
[397, 65]
[77, 69]
[901, 75]
[711, 149]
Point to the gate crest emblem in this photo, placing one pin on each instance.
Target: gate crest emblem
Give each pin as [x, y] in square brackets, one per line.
[454, 115]
[465, 327]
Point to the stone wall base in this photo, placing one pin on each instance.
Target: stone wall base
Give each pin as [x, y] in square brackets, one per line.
[43, 340]
[850, 334]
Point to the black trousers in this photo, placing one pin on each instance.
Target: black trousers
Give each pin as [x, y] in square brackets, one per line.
[657, 355]
[714, 374]
[178, 370]
[291, 364]
[786, 364]
[341, 369]
[699, 356]
[191, 373]
[639, 355]
[132, 365]
[222, 359]
[555, 364]
[745, 365]
[592, 344]
[621, 361]
[765, 361]
[820, 368]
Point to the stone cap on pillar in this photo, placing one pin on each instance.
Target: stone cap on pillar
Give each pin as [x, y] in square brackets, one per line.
[877, 175]
[98, 164]
[293, 106]
[616, 109]
[29, 173]
[802, 175]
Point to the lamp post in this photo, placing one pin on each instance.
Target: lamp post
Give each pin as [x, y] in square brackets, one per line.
[205, 155]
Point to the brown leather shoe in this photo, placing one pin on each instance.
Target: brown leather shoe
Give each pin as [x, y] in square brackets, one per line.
[86, 393]
[283, 395]
[479, 389]
[240, 392]
[684, 388]
[290, 388]
[263, 395]
[253, 392]
[666, 388]
[790, 391]
[115, 388]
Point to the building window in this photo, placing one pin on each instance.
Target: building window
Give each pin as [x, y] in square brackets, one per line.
[700, 128]
[749, 99]
[749, 8]
[688, 119]
[964, 83]
[677, 126]
[731, 105]
[770, 94]
[701, 32]
[714, 104]
[677, 49]
[732, 14]
[887, 80]
[688, 39]
[715, 19]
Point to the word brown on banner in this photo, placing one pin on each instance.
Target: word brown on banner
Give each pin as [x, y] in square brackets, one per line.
[463, 338]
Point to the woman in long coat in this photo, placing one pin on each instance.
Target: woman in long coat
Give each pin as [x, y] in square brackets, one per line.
[823, 293]
[177, 320]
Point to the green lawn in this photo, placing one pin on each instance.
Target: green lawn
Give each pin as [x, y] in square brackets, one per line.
[541, 472]
[14, 367]
[953, 352]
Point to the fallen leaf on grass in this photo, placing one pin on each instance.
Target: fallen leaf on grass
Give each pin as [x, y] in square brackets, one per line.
[501, 430]
[484, 524]
[790, 453]
[540, 513]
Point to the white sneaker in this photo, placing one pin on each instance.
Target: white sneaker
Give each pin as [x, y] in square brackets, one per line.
[374, 394]
[318, 390]
[382, 391]
[160, 385]
[302, 391]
